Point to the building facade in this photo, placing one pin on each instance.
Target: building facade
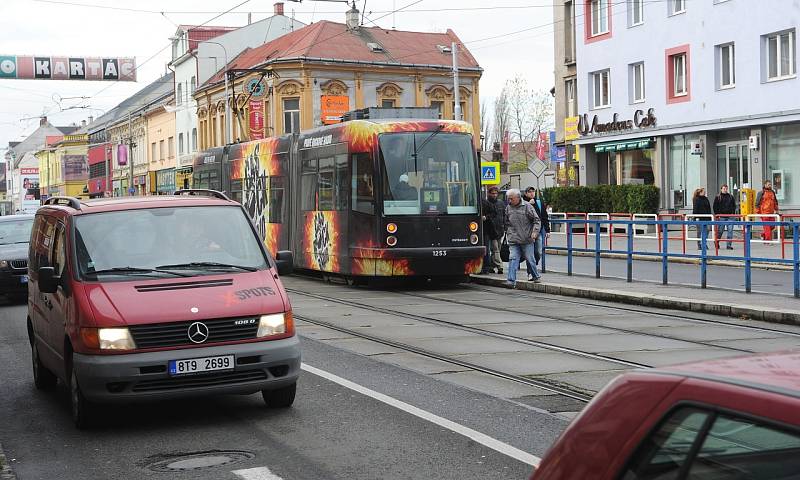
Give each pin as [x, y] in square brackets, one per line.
[64, 168]
[685, 95]
[161, 147]
[566, 86]
[307, 83]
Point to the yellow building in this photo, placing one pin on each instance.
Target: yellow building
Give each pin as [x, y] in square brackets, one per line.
[64, 168]
[161, 154]
[309, 77]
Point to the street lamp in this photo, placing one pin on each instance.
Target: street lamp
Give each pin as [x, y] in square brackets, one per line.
[228, 124]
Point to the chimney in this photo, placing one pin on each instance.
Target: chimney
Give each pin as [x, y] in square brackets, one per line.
[278, 8]
[83, 123]
[249, 18]
[42, 121]
[91, 119]
[352, 18]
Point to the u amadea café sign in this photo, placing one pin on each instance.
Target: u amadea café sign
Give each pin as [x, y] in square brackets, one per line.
[641, 120]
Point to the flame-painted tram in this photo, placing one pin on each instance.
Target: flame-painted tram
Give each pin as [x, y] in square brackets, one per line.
[363, 198]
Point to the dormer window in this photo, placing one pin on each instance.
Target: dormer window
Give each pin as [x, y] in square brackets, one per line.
[375, 47]
[444, 49]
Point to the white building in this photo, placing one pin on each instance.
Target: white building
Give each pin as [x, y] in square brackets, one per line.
[687, 94]
[200, 52]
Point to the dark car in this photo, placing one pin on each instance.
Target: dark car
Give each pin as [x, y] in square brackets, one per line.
[15, 233]
[731, 418]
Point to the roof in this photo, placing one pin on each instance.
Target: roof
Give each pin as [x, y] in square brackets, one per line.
[198, 34]
[779, 371]
[117, 204]
[333, 41]
[150, 94]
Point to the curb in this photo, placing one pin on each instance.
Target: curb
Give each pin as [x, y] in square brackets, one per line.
[688, 261]
[5, 468]
[788, 317]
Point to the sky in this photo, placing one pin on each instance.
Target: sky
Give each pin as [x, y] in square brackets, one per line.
[507, 37]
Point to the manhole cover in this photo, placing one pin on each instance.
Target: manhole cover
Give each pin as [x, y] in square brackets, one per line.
[181, 462]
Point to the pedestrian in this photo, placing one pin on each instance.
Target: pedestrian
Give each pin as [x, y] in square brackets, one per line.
[522, 229]
[700, 206]
[493, 224]
[541, 210]
[725, 204]
[767, 204]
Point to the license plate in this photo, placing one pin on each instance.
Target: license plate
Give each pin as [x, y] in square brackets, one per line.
[23, 279]
[197, 365]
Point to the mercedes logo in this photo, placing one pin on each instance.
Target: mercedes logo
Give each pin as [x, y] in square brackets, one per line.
[198, 332]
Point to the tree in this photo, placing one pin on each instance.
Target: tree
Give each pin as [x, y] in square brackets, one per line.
[485, 130]
[500, 120]
[530, 113]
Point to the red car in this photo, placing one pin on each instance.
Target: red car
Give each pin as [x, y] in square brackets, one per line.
[734, 418]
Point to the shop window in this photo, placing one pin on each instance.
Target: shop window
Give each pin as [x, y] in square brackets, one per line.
[678, 72]
[291, 115]
[783, 150]
[601, 89]
[684, 168]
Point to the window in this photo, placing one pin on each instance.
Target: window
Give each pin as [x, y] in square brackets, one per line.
[161, 149]
[308, 181]
[291, 115]
[194, 139]
[277, 187]
[601, 89]
[193, 85]
[439, 106]
[677, 6]
[179, 95]
[59, 252]
[694, 443]
[180, 144]
[637, 83]
[570, 89]
[599, 14]
[679, 75]
[363, 191]
[153, 152]
[325, 183]
[388, 103]
[569, 32]
[636, 16]
[781, 56]
[171, 147]
[783, 150]
[727, 66]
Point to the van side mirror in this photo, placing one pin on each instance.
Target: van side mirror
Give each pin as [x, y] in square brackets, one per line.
[48, 282]
[285, 261]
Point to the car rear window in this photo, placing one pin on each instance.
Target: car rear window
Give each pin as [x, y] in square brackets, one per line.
[150, 239]
[694, 443]
[17, 231]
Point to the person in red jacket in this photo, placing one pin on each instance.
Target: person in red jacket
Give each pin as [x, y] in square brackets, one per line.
[767, 204]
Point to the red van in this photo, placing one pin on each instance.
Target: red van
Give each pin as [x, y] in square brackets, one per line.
[157, 297]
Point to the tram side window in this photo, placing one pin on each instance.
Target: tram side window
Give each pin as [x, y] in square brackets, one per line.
[342, 183]
[362, 184]
[325, 185]
[276, 190]
[308, 181]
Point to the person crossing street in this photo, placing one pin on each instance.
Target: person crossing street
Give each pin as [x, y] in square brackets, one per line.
[522, 229]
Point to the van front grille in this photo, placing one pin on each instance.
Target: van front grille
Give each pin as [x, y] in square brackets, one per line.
[199, 381]
[176, 334]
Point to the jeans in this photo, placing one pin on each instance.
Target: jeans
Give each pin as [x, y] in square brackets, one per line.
[492, 258]
[516, 252]
[721, 229]
[700, 229]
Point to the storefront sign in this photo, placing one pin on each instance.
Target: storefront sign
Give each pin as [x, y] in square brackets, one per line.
[75, 167]
[571, 128]
[332, 107]
[165, 181]
[68, 68]
[256, 124]
[640, 120]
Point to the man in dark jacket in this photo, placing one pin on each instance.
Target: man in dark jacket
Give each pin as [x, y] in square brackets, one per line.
[725, 204]
[493, 223]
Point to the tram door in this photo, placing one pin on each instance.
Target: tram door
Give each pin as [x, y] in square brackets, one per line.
[733, 167]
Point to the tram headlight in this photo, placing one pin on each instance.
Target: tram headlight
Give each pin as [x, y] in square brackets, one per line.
[473, 239]
[391, 227]
[473, 227]
[391, 240]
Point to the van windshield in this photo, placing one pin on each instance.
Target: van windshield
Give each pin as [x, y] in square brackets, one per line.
[166, 242]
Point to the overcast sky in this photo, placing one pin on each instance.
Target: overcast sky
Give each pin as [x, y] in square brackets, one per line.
[105, 28]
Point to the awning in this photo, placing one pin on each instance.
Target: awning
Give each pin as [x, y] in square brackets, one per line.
[638, 144]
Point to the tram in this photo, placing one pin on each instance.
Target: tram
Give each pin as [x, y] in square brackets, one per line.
[362, 198]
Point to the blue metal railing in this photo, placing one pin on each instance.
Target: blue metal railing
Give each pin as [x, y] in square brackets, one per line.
[663, 227]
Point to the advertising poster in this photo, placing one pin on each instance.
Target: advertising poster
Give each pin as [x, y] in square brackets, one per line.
[75, 167]
[332, 107]
[29, 178]
[122, 155]
[67, 68]
[256, 121]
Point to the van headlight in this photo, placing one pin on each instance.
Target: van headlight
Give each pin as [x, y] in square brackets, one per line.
[275, 324]
[115, 339]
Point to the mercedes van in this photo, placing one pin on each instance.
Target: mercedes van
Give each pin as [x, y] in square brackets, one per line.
[148, 298]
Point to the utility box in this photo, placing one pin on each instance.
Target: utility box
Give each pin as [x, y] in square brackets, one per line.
[747, 201]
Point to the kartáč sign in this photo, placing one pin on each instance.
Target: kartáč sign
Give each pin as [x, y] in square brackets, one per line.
[67, 68]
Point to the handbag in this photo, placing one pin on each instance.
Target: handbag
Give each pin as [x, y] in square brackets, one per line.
[504, 250]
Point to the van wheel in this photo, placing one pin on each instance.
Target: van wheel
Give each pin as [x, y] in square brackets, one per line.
[82, 410]
[280, 398]
[42, 377]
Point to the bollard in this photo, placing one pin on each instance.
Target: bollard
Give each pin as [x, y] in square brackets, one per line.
[630, 252]
[597, 250]
[544, 250]
[665, 254]
[796, 253]
[569, 248]
[703, 253]
[747, 278]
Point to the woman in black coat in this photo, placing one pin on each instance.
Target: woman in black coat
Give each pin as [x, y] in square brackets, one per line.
[700, 206]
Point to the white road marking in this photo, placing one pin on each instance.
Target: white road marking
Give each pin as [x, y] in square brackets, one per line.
[479, 437]
[258, 473]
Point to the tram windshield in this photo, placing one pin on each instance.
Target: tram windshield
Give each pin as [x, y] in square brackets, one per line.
[428, 173]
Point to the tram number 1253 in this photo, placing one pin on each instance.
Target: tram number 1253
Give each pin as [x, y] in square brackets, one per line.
[440, 253]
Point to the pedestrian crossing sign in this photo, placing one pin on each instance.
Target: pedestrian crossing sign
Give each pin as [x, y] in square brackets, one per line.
[490, 173]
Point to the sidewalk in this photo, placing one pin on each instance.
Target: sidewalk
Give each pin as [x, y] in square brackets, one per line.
[754, 306]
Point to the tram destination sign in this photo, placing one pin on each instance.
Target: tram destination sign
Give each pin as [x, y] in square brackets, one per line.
[120, 69]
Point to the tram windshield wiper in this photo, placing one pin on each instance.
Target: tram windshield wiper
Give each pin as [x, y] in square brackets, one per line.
[205, 265]
[439, 129]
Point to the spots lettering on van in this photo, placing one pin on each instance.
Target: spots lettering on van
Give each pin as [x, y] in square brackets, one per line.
[255, 292]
